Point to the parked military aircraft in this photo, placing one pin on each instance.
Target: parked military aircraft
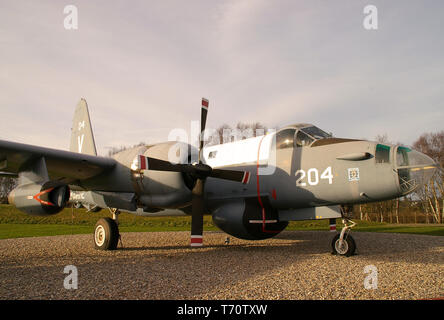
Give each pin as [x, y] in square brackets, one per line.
[252, 187]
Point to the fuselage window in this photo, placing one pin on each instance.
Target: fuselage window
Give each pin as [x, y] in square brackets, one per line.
[302, 139]
[285, 138]
[382, 154]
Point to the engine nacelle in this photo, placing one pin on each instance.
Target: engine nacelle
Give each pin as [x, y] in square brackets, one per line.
[40, 200]
[244, 219]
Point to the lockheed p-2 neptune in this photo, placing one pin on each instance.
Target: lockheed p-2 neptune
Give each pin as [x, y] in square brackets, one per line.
[251, 187]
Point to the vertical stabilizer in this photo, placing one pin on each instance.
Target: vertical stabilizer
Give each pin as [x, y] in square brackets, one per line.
[82, 138]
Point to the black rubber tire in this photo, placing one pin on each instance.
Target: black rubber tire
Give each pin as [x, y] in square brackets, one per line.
[106, 234]
[350, 242]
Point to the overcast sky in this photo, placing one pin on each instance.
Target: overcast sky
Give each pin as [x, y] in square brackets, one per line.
[143, 67]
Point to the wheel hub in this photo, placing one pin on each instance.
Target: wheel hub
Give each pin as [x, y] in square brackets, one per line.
[341, 246]
[99, 235]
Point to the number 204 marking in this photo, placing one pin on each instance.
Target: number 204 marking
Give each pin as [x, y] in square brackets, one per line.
[312, 176]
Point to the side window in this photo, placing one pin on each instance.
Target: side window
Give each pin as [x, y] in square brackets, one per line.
[285, 138]
[382, 154]
[302, 139]
[402, 158]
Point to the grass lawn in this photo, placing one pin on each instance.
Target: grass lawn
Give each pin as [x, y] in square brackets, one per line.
[16, 224]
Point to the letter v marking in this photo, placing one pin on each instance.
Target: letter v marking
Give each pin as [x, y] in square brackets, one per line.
[80, 142]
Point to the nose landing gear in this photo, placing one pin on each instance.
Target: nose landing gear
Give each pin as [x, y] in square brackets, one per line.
[343, 243]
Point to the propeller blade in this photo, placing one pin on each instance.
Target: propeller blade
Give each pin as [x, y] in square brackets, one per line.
[197, 199]
[197, 214]
[148, 163]
[200, 171]
[232, 175]
[203, 121]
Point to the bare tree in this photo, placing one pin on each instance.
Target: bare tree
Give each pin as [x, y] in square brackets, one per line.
[6, 186]
[382, 138]
[432, 144]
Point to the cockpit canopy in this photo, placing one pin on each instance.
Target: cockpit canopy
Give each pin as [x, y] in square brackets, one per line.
[299, 135]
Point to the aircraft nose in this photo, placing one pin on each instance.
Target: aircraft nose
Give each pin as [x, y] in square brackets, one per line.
[414, 168]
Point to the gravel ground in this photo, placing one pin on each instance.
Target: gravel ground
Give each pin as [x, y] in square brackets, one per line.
[160, 265]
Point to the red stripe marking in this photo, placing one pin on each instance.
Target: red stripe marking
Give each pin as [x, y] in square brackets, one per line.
[259, 192]
[142, 161]
[246, 177]
[196, 240]
[273, 194]
[205, 103]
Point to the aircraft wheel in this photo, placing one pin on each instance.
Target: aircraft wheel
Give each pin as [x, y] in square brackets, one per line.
[347, 248]
[106, 234]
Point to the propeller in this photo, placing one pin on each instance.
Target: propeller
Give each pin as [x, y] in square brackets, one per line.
[199, 171]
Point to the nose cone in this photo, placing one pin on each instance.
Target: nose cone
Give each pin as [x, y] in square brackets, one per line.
[426, 167]
[414, 169]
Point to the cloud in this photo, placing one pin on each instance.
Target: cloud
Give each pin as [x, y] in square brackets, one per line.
[144, 67]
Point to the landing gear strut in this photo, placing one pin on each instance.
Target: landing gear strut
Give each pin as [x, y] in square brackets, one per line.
[343, 243]
[106, 232]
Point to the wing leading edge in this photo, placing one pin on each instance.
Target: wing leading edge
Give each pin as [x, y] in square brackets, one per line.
[62, 165]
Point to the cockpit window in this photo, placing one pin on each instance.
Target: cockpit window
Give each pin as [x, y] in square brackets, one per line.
[316, 133]
[303, 139]
[382, 154]
[404, 175]
[285, 138]
[402, 158]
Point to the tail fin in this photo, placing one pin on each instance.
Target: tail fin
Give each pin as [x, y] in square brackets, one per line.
[82, 138]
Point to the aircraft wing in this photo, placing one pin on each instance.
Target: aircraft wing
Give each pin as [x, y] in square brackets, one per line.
[62, 165]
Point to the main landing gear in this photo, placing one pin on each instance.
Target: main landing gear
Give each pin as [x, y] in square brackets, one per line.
[343, 243]
[106, 232]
